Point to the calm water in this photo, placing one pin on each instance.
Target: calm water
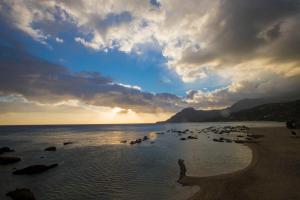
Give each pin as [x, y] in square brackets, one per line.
[97, 166]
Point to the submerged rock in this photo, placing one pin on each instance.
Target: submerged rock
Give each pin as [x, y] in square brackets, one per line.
[218, 140]
[52, 148]
[145, 137]
[239, 141]
[132, 142]
[138, 141]
[21, 194]
[9, 160]
[34, 169]
[67, 143]
[5, 150]
[227, 140]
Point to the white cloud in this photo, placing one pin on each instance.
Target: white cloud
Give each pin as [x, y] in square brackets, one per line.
[59, 40]
[198, 38]
[130, 86]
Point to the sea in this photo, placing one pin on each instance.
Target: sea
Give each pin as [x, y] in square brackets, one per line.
[98, 166]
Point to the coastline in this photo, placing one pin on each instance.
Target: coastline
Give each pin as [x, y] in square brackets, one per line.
[274, 171]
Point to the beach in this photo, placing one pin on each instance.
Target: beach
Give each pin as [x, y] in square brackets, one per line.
[274, 172]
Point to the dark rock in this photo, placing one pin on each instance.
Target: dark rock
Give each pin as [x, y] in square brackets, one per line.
[217, 140]
[183, 138]
[255, 136]
[123, 141]
[50, 149]
[239, 141]
[192, 137]
[145, 138]
[5, 150]
[67, 143]
[21, 194]
[9, 160]
[34, 169]
[228, 140]
[293, 133]
[292, 124]
[132, 142]
[138, 141]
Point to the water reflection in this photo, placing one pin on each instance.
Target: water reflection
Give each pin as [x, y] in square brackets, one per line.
[98, 166]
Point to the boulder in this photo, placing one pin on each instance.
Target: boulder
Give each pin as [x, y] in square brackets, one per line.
[9, 160]
[52, 148]
[21, 194]
[183, 138]
[67, 143]
[5, 150]
[34, 169]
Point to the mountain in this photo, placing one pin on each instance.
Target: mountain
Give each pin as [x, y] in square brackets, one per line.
[251, 103]
[242, 112]
[192, 115]
[248, 103]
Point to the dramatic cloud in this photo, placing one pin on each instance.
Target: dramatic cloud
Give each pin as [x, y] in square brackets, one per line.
[46, 83]
[253, 45]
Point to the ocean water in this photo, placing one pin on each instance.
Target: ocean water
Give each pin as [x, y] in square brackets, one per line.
[98, 166]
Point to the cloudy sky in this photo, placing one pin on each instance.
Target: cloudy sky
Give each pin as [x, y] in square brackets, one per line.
[115, 61]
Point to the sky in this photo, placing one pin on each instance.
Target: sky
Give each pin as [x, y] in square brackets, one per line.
[141, 61]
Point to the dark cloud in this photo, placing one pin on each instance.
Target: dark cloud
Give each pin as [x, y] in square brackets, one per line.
[241, 28]
[45, 82]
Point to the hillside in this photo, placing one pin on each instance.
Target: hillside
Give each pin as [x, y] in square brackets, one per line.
[265, 112]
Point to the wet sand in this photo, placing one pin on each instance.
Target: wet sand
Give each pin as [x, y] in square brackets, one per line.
[274, 172]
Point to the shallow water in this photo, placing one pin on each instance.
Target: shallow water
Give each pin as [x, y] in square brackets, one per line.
[98, 166]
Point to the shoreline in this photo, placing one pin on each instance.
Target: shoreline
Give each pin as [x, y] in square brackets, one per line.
[273, 173]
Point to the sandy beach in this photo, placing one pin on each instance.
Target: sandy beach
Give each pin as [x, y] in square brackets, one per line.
[274, 172]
